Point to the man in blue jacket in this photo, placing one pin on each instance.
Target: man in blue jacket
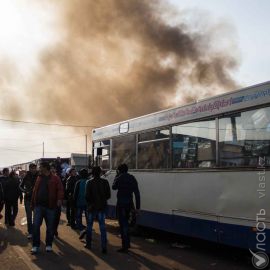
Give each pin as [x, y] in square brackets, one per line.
[80, 202]
[126, 184]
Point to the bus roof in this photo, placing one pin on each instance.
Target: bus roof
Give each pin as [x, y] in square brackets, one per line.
[236, 100]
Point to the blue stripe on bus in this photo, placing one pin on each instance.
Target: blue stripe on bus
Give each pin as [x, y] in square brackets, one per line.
[237, 100]
[228, 234]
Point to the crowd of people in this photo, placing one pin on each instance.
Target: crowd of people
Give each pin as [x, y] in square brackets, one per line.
[44, 190]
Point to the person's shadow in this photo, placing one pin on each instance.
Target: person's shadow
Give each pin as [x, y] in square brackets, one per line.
[68, 257]
[123, 261]
[11, 236]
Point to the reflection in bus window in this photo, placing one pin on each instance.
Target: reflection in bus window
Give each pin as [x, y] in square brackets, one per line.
[124, 151]
[102, 143]
[154, 135]
[244, 137]
[102, 154]
[194, 145]
[154, 155]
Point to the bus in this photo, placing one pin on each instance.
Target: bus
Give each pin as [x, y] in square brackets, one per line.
[202, 168]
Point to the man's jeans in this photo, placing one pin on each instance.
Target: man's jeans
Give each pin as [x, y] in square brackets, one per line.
[29, 215]
[123, 216]
[79, 213]
[101, 220]
[6, 214]
[57, 219]
[11, 211]
[71, 212]
[48, 214]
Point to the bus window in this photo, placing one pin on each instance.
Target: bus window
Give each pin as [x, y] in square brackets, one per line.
[244, 137]
[154, 135]
[194, 145]
[102, 154]
[154, 155]
[102, 144]
[154, 150]
[124, 151]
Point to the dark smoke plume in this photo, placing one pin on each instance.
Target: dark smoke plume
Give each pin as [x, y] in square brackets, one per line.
[120, 59]
[9, 103]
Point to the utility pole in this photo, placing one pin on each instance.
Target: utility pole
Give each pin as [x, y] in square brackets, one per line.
[43, 149]
[86, 158]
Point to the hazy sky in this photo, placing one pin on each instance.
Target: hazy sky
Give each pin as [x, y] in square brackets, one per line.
[250, 20]
[26, 30]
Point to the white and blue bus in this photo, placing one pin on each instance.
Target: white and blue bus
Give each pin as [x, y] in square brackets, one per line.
[202, 169]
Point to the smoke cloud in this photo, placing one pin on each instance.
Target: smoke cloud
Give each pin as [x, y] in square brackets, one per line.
[9, 75]
[121, 59]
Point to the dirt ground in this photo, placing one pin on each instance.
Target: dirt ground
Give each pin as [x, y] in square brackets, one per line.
[148, 252]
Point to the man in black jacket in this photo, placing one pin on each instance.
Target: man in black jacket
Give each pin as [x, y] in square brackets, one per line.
[3, 180]
[12, 194]
[97, 193]
[126, 184]
[1, 199]
[26, 187]
[69, 191]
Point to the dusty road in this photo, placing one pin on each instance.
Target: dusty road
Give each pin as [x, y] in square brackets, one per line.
[148, 252]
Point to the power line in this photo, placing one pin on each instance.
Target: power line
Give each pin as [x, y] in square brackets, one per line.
[35, 152]
[37, 139]
[25, 147]
[18, 139]
[46, 124]
[17, 150]
[55, 152]
[63, 138]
